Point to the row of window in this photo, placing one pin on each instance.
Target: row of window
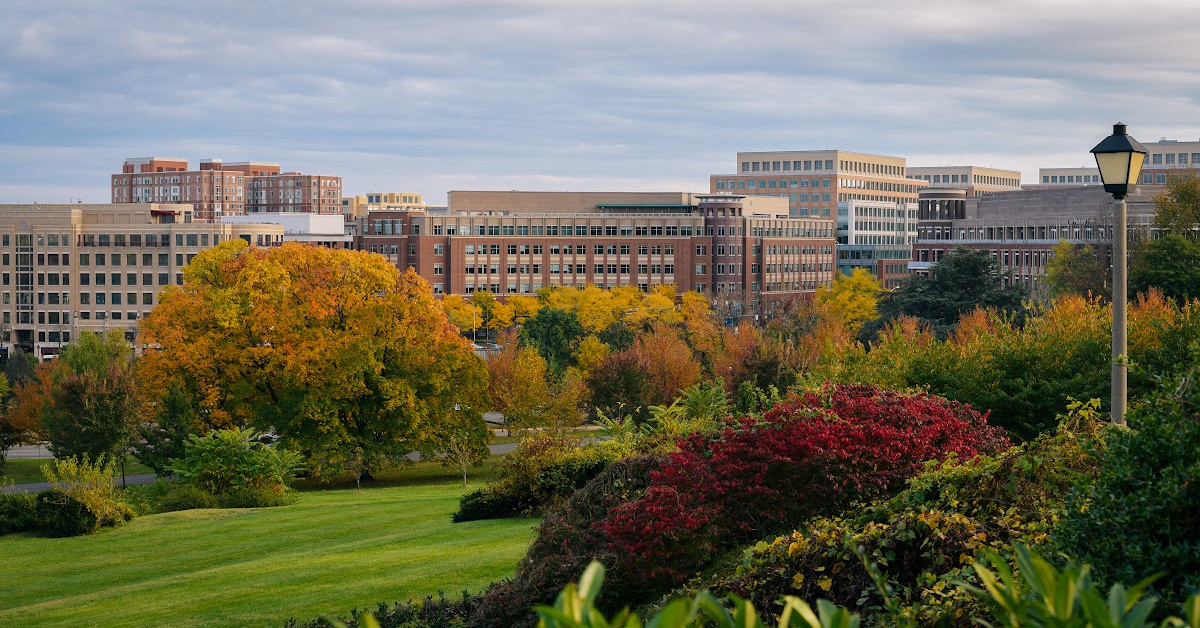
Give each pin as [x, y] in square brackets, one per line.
[1071, 178]
[784, 166]
[115, 298]
[1158, 158]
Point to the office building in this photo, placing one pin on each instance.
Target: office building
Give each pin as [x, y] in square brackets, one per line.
[358, 205]
[65, 269]
[976, 180]
[1020, 229]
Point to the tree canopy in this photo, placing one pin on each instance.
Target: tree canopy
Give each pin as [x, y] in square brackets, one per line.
[961, 282]
[1078, 270]
[1177, 208]
[854, 298]
[331, 350]
[1171, 264]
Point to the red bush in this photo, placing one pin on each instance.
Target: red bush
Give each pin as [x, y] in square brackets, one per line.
[811, 455]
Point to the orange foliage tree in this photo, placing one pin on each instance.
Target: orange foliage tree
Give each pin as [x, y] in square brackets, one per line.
[335, 351]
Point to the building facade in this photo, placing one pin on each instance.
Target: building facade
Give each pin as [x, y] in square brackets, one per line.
[745, 252]
[1020, 229]
[357, 206]
[65, 269]
[976, 180]
[217, 189]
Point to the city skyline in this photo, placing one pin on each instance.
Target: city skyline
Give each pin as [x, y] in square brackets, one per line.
[596, 96]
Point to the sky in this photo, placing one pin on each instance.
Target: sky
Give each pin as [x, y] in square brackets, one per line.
[585, 95]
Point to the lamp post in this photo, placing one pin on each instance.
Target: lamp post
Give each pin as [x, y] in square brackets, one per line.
[1119, 158]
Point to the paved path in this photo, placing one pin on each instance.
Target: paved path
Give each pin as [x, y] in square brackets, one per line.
[147, 478]
[28, 451]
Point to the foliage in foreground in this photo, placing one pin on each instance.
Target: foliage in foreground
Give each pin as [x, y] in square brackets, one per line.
[924, 539]
[813, 455]
[1140, 515]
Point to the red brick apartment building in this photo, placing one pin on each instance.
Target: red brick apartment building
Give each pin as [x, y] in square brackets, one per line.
[218, 189]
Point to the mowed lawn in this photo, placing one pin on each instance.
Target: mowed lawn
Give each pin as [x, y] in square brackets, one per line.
[332, 551]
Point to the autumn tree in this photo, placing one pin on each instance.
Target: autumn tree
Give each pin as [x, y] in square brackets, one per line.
[853, 298]
[10, 433]
[333, 350]
[667, 364]
[1177, 208]
[463, 314]
[522, 388]
[88, 401]
[1077, 270]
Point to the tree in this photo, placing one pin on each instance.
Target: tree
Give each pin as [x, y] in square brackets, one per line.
[553, 332]
[1177, 208]
[90, 400]
[961, 282]
[852, 297]
[666, 363]
[332, 350]
[19, 368]
[464, 451]
[521, 387]
[461, 313]
[10, 432]
[162, 439]
[1077, 270]
[1171, 264]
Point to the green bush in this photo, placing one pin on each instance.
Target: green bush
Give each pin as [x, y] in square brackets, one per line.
[544, 469]
[256, 498]
[231, 461]
[485, 503]
[18, 512]
[60, 514]
[1141, 513]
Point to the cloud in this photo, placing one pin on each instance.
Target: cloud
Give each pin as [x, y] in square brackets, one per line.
[598, 94]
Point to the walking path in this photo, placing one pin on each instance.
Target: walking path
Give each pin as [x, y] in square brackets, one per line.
[147, 478]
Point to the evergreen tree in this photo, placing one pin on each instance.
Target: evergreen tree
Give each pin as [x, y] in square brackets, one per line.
[1170, 264]
[19, 368]
[963, 281]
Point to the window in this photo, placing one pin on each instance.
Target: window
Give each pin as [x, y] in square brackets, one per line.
[437, 269]
[439, 249]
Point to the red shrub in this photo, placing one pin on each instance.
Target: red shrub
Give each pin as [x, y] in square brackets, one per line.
[811, 455]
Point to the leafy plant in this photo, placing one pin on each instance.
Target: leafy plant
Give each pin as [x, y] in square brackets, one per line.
[230, 461]
[1040, 594]
[92, 485]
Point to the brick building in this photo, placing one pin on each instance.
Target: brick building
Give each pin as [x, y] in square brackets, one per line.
[747, 253]
[218, 189]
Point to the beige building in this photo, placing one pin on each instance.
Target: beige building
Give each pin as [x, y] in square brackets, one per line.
[358, 206]
[65, 269]
[976, 180]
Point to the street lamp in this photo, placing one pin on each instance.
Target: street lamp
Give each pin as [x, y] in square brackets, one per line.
[1119, 158]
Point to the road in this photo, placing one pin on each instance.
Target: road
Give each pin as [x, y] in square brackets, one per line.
[147, 478]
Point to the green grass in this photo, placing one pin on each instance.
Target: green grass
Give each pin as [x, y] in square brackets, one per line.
[334, 550]
[22, 470]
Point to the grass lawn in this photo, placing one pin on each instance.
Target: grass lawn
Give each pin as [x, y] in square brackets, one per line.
[334, 550]
[22, 470]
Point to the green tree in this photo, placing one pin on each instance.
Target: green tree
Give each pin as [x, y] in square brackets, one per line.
[961, 282]
[1171, 264]
[332, 350]
[1177, 208]
[19, 368]
[162, 439]
[1078, 270]
[852, 298]
[553, 332]
[92, 402]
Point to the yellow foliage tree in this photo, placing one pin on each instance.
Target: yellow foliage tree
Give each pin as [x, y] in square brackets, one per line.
[590, 354]
[333, 350]
[854, 298]
[461, 313]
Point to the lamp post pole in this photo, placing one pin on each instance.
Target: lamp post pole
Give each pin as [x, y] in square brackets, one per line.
[1119, 158]
[1120, 348]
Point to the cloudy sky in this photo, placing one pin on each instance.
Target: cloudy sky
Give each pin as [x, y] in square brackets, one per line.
[434, 95]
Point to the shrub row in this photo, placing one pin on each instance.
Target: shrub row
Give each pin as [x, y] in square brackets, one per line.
[53, 513]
